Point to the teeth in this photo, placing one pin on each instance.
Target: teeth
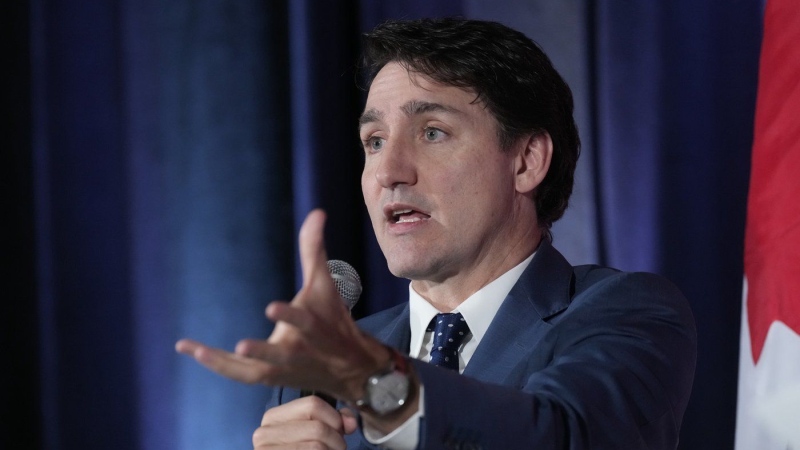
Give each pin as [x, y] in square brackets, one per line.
[413, 219]
[400, 212]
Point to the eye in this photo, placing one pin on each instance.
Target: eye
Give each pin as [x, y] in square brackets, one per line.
[433, 134]
[374, 144]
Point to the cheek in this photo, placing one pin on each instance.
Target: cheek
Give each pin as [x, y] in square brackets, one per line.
[367, 191]
[482, 192]
[457, 192]
[371, 192]
[467, 179]
[368, 181]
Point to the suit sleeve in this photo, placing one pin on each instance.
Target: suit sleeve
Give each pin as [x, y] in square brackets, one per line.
[614, 371]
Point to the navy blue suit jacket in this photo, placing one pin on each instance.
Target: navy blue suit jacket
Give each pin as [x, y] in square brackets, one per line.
[576, 358]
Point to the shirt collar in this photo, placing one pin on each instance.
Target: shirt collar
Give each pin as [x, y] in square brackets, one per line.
[478, 309]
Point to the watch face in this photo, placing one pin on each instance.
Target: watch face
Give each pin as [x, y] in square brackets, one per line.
[388, 393]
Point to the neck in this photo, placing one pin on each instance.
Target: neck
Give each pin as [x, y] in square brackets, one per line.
[447, 294]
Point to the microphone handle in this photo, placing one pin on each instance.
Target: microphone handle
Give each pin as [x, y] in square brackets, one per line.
[328, 399]
[348, 285]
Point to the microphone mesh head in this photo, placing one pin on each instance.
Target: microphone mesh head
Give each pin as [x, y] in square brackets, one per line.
[346, 280]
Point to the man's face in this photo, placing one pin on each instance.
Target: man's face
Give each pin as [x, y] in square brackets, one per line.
[439, 189]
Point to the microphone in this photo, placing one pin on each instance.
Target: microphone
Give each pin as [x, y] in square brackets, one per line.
[346, 280]
[348, 285]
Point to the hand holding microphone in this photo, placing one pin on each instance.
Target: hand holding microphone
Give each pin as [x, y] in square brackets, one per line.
[315, 346]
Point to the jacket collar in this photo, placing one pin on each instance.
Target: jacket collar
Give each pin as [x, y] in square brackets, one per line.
[543, 290]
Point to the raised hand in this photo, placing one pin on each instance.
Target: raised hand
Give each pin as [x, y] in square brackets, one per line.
[315, 344]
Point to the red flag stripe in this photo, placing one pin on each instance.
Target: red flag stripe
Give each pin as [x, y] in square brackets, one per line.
[772, 242]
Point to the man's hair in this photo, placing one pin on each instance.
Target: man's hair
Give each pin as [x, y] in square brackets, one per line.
[508, 72]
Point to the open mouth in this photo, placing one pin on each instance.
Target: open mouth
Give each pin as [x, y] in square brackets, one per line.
[407, 216]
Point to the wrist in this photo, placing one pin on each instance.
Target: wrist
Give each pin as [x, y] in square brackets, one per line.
[388, 391]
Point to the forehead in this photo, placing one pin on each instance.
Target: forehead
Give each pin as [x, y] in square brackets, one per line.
[394, 88]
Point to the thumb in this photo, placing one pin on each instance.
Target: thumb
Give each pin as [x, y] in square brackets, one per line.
[313, 257]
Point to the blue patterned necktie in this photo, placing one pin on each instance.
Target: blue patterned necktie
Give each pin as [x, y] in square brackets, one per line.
[449, 331]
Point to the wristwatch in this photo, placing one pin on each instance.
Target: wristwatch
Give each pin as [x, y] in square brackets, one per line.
[387, 391]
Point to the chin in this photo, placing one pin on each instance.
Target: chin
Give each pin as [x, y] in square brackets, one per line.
[402, 270]
[416, 269]
[407, 268]
[411, 262]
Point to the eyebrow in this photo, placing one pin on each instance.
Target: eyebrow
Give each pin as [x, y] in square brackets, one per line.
[412, 108]
[370, 115]
[416, 107]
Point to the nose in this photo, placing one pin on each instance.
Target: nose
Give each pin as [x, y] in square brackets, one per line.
[396, 165]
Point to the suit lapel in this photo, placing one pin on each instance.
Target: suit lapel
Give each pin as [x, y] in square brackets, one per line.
[396, 333]
[543, 290]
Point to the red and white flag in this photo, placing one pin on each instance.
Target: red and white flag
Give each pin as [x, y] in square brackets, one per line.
[768, 410]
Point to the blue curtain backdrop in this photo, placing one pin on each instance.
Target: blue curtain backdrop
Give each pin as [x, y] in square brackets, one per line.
[159, 157]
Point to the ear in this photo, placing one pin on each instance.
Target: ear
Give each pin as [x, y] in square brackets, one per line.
[533, 161]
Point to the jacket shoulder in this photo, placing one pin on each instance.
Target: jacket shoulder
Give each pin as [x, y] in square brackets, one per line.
[591, 279]
[376, 322]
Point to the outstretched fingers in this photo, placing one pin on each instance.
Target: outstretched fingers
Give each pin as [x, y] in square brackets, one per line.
[318, 296]
[230, 365]
[314, 336]
[298, 318]
[313, 257]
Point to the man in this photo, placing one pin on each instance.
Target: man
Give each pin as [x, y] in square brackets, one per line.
[470, 148]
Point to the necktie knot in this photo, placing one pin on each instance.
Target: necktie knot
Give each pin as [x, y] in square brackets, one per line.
[449, 331]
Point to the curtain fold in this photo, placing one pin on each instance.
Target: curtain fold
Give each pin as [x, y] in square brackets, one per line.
[20, 405]
[161, 214]
[675, 101]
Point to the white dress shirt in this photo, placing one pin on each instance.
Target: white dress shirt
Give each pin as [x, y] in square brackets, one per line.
[478, 311]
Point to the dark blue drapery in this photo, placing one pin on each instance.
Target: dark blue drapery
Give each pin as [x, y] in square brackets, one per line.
[161, 156]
